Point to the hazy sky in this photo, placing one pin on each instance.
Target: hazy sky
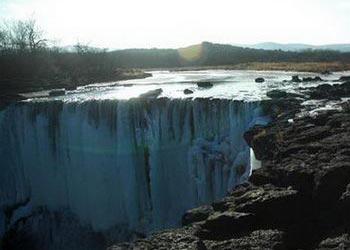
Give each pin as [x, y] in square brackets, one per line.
[163, 23]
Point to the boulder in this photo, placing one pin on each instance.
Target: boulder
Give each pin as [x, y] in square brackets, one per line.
[312, 79]
[152, 94]
[206, 85]
[259, 80]
[277, 94]
[296, 79]
[188, 92]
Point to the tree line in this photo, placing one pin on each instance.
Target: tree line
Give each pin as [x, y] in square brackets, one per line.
[29, 61]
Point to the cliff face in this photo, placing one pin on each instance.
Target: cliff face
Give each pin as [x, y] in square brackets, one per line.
[298, 199]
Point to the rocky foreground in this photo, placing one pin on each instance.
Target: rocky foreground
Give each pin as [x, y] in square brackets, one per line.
[299, 199]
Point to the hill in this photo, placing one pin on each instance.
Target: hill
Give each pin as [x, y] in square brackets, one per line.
[213, 54]
[297, 46]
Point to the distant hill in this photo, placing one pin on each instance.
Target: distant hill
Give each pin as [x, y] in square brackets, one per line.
[296, 46]
[213, 54]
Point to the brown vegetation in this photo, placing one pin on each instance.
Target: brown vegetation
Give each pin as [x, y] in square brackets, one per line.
[316, 67]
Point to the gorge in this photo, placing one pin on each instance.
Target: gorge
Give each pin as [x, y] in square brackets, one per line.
[85, 173]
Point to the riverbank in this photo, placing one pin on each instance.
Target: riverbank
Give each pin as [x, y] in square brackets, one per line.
[298, 199]
[12, 90]
[316, 67]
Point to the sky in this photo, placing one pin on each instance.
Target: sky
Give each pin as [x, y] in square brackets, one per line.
[122, 24]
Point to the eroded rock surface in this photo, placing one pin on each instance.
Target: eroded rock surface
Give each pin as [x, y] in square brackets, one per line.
[299, 199]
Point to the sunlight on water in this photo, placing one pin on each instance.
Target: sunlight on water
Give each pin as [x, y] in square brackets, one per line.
[227, 84]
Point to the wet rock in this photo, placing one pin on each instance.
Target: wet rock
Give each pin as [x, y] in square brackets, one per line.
[57, 92]
[197, 214]
[72, 87]
[152, 94]
[312, 79]
[344, 78]
[326, 72]
[259, 80]
[296, 79]
[188, 92]
[274, 94]
[346, 106]
[302, 191]
[277, 94]
[327, 91]
[206, 85]
[126, 85]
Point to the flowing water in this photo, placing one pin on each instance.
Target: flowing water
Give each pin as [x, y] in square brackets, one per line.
[99, 165]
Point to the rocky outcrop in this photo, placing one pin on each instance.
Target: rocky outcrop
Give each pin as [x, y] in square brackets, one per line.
[331, 92]
[337, 243]
[299, 199]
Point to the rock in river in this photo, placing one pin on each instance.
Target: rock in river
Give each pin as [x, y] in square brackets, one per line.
[206, 85]
[259, 80]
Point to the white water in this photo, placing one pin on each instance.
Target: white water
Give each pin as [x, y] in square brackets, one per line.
[228, 84]
[95, 161]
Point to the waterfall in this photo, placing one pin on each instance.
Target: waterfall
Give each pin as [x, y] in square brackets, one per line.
[117, 168]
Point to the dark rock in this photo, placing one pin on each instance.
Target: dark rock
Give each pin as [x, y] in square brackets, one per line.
[72, 87]
[338, 243]
[188, 92]
[326, 72]
[312, 79]
[344, 78]
[318, 79]
[346, 106]
[325, 87]
[277, 94]
[327, 91]
[182, 239]
[152, 94]
[224, 225]
[302, 190]
[206, 85]
[296, 79]
[126, 85]
[57, 92]
[259, 80]
[196, 215]
[261, 239]
[274, 94]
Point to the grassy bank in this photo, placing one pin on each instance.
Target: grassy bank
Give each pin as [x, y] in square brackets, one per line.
[317, 67]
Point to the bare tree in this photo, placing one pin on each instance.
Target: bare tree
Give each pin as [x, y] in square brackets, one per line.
[25, 36]
[35, 36]
[3, 39]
